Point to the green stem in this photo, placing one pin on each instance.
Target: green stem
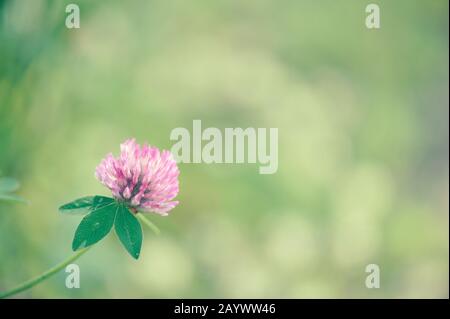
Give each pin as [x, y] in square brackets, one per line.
[148, 223]
[34, 281]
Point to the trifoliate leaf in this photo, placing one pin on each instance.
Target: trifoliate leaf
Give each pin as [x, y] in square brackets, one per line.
[95, 226]
[129, 231]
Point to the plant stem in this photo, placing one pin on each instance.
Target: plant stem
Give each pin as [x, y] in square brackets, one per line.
[148, 223]
[34, 281]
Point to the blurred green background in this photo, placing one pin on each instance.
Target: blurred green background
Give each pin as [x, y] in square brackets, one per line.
[363, 144]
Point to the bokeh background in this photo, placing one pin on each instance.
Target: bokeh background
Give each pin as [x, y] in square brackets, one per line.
[363, 144]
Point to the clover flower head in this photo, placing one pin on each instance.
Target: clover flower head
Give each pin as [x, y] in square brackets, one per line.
[142, 176]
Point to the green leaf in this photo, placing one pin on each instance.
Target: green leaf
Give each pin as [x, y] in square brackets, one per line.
[86, 204]
[8, 185]
[12, 197]
[129, 231]
[100, 201]
[80, 203]
[95, 226]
